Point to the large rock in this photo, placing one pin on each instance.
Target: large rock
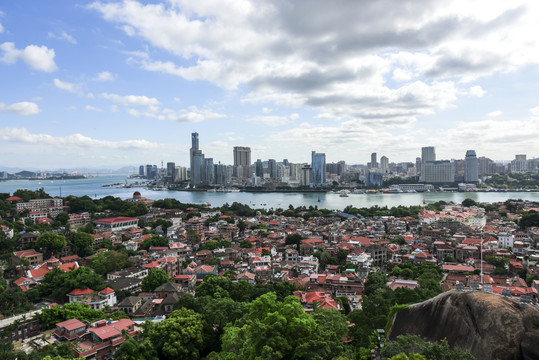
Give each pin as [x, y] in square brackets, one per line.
[488, 326]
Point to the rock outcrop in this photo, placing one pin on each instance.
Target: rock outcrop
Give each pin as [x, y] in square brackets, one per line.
[486, 325]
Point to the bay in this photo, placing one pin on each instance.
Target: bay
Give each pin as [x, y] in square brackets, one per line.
[92, 187]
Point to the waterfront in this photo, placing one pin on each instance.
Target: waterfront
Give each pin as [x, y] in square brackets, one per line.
[92, 187]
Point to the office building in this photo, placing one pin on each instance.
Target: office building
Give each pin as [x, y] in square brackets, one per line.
[171, 171]
[148, 171]
[242, 161]
[318, 165]
[272, 168]
[374, 179]
[259, 168]
[428, 154]
[374, 163]
[306, 175]
[519, 165]
[196, 161]
[209, 171]
[438, 172]
[384, 165]
[471, 167]
[141, 170]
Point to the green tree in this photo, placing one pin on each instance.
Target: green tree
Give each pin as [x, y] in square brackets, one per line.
[57, 313]
[529, 219]
[108, 261]
[155, 278]
[132, 349]
[179, 336]
[271, 330]
[51, 243]
[58, 283]
[414, 344]
[469, 202]
[81, 243]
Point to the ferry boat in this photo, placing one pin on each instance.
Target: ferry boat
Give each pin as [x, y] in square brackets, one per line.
[372, 191]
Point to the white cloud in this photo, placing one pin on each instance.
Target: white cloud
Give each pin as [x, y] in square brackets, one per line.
[266, 110]
[130, 100]
[192, 114]
[37, 57]
[62, 36]
[494, 113]
[274, 120]
[92, 108]
[21, 108]
[1, 28]
[336, 58]
[67, 86]
[104, 76]
[71, 108]
[534, 112]
[22, 135]
[477, 91]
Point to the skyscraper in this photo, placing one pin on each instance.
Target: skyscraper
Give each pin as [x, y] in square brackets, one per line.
[242, 156]
[428, 154]
[384, 165]
[197, 161]
[374, 162]
[259, 168]
[272, 168]
[471, 167]
[171, 171]
[242, 161]
[141, 170]
[318, 164]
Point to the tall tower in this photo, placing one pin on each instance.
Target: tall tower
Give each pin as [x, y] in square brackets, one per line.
[384, 164]
[374, 163]
[242, 160]
[428, 154]
[318, 165]
[197, 160]
[471, 167]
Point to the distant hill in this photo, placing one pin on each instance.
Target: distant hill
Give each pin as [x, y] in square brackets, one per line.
[486, 325]
[26, 173]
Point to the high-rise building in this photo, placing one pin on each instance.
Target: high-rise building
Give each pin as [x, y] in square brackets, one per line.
[197, 161]
[471, 167]
[141, 170]
[306, 175]
[148, 171]
[438, 172]
[318, 164]
[374, 163]
[384, 165]
[209, 172]
[171, 173]
[259, 169]
[285, 162]
[519, 165]
[428, 154]
[242, 157]
[272, 168]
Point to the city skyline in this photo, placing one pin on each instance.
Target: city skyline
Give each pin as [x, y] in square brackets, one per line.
[100, 84]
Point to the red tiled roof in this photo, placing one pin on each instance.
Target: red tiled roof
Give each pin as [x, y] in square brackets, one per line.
[105, 332]
[71, 324]
[115, 220]
[78, 292]
[106, 291]
[67, 267]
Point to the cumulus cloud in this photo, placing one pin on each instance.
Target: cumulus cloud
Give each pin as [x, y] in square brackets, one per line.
[22, 135]
[274, 120]
[192, 114]
[92, 108]
[62, 36]
[477, 91]
[494, 113]
[131, 100]
[21, 108]
[67, 86]
[37, 57]
[104, 76]
[337, 57]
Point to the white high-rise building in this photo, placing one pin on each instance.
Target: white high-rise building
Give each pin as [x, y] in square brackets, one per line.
[471, 167]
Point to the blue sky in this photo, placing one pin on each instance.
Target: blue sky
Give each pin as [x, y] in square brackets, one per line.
[115, 83]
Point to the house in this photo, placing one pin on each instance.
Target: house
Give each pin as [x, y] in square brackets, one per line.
[167, 289]
[95, 300]
[130, 304]
[31, 255]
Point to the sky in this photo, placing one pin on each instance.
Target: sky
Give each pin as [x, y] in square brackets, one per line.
[121, 83]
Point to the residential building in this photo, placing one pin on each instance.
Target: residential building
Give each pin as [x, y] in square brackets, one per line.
[471, 167]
